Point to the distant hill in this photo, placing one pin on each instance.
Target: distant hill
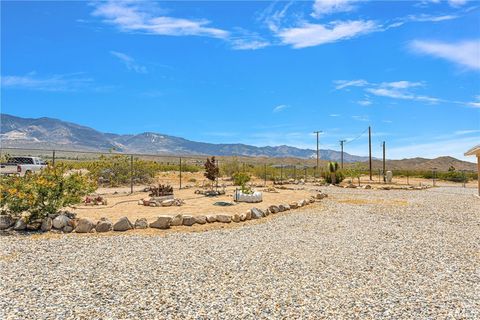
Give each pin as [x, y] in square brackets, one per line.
[52, 133]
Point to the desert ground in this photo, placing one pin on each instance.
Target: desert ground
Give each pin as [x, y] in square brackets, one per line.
[357, 254]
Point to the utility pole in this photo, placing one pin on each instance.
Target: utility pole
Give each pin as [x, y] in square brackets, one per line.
[370, 151]
[318, 150]
[384, 177]
[341, 145]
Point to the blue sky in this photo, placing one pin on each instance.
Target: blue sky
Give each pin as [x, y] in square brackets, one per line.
[261, 73]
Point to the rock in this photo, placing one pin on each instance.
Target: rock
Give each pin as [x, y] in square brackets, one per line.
[311, 200]
[236, 218]
[152, 204]
[224, 218]
[201, 219]
[320, 196]
[189, 220]
[6, 221]
[177, 220]
[243, 216]
[211, 218]
[293, 205]
[168, 203]
[281, 208]
[305, 202]
[367, 186]
[20, 224]
[266, 212]
[140, 202]
[84, 225]
[248, 215]
[162, 222]
[123, 224]
[104, 225]
[274, 209]
[67, 229]
[287, 207]
[141, 223]
[46, 224]
[257, 213]
[60, 221]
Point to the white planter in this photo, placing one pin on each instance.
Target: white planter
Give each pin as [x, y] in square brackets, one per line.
[239, 196]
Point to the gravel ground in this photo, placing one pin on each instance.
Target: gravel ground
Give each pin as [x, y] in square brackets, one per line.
[360, 254]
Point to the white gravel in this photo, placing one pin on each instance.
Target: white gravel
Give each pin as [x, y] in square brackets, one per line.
[378, 254]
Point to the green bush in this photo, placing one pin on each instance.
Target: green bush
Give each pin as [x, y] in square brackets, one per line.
[241, 178]
[44, 192]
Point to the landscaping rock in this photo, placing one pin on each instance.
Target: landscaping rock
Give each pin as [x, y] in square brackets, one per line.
[61, 221]
[243, 216]
[122, 225]
[224, 218]
[84, 225]
[367, 186]
[104, 225]
[281, 208]
[201, 219]
[236, 218]
[46, 224]
[67, 229]
[257, 213]
[274, 209]
[168, 203]
[211, 218]
[162, 222]
[6, 221]
[34, 225]
[141, 223]
[20, 224]
[287, 207]
[311, 200]
[293, 205]
[248, 215]
[177, 220]
[189, 220]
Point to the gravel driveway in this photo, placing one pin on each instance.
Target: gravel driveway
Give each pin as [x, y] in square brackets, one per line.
[360, 254]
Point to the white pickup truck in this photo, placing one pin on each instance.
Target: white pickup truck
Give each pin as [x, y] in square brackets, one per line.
[22, 165]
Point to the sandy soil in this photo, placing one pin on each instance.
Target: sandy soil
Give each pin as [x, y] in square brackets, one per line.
[120, 205]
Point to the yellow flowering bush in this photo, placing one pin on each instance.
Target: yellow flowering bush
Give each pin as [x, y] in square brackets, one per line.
[44, 192]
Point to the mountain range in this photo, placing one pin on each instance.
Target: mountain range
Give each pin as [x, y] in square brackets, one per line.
[51, 133]
[48, 133]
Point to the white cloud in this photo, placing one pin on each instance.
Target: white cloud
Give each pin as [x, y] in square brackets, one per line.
[361, 118]
[129, 62]
[341, 84]
[58, 82]
[466, 132]
[334, 115]
[365, 102]
[457, 3]
[430, 18]
[309, 34]
[280, 108]
[475, 104]
[464, 53]
[325, 7]
[133, 17]
[401, 84]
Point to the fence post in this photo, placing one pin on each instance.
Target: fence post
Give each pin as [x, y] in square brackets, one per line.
[180, 173]
[305, 174]
[281, 173]
[131, 173]
[53, 158]
[216, 182]
[295, 173]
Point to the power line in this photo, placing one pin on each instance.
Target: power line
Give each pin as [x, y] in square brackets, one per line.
[357, 137]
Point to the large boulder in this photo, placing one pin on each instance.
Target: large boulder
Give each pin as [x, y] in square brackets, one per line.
[177, 220]
[6, 221]
[189, 220]
[104, 225]
[20, 224]
[201, 219]
[162, 222]
[257, 213]
[123, 224]
[141, 223]
[224, 218]
[60, 221]
[84, 225]
[46, 224]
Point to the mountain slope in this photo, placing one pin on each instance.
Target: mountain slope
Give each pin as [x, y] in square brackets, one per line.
[53, 133]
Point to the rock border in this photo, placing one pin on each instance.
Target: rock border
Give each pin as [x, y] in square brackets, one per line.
[66, 222]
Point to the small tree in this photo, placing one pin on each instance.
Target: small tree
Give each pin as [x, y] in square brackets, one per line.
[355, 172]
[241, 179]
[211, 170]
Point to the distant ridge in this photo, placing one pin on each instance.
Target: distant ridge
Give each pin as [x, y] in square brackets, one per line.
[54, 133]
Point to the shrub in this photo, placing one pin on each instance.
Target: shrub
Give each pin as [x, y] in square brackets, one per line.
[240, 178]
[333, 178]
[211, 169]
[45, 192]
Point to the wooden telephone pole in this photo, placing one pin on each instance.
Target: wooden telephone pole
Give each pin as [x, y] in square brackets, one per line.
[341, 145]
[370, 151]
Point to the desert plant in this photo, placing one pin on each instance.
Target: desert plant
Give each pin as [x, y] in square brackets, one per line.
[161, 190]
[45, 192]
[211, 169]
[241, 179]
